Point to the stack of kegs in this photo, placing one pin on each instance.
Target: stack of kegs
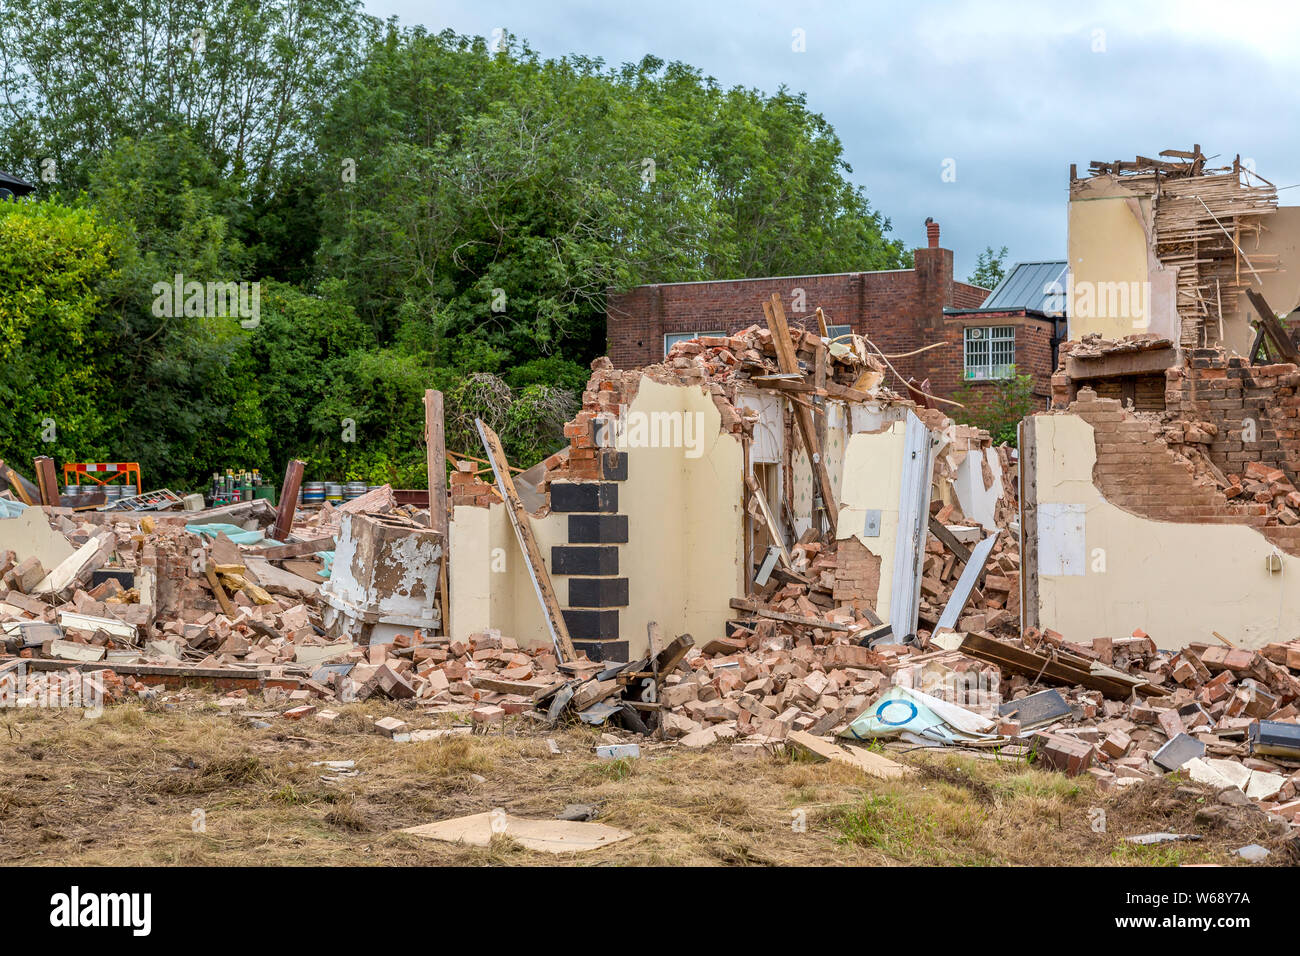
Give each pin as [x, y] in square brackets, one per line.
[353, 489]
[313, 492]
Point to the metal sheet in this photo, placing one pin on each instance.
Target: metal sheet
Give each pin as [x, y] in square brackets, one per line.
[969, 575]
[1035, 286]
[1061, 538]
[913, 526]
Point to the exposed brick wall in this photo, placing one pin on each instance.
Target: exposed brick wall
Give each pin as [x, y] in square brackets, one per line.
[967, 296]
[884, 305]
[607, 390]
[1137, 470]
[900, 310]
[1227, 391]
[467, 488]
[945, 367]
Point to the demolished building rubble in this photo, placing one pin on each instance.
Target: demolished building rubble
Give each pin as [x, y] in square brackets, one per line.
[760, 543]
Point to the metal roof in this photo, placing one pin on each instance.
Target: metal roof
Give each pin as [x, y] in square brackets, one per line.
[1035, 286]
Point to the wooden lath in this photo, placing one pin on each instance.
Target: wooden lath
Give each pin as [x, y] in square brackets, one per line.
[1203, 223]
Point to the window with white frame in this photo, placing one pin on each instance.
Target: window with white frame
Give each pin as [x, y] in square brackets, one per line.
[672, 338]
[990, 351]
[835, 331]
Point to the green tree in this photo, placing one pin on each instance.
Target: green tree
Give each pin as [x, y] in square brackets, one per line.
[990, 268]
[58, 267]
[997, 406]
[499, 195]
[247, 78]
[420, 211]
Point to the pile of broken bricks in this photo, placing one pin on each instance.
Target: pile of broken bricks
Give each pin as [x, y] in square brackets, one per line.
[1259, 489]
[1227, 717]
[832, 586]
[136, 602]
[1267, 486]
[141, 601]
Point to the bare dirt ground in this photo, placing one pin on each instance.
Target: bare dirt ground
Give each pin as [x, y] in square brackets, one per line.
[123, 789]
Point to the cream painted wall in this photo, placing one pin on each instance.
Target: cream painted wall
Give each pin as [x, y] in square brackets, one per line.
[1108, 245]
[976, 502]
[1178, 582]
[488, 581]
[685, 531]
[684, 552]
[873, 469]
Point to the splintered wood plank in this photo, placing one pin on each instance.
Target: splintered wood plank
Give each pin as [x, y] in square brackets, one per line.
[16, 484]
[227, 607]
[940, 531]
[436, 459]
[435, 445]
[47, 480]
[770, 520]
[1277, 335]
[753, 607]
[288, 499]
[522, 523]
[774, 312]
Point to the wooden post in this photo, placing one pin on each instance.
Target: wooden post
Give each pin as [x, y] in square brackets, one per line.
[435, 453]
[788, 360]
[227, 606]
[288, 499]
[16, 483]
[47, 480]
[436, 456]
[527, 543]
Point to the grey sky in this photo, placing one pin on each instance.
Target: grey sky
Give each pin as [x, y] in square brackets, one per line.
[1012, 92]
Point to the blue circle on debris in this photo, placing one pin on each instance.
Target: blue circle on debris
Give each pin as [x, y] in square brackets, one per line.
[880, 712]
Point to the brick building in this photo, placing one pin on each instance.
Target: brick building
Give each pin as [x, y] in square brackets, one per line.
[900, 310]
[1021, 323]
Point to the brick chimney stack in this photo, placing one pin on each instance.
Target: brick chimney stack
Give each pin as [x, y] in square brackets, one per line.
[932, 233]
[933, 280]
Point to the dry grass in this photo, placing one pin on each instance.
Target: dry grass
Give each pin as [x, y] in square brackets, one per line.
[123, 789]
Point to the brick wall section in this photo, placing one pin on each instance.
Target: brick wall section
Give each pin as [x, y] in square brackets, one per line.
[607, 390]
[1227, 390]
[468, 488]
[945, 367]
[610, 389]
[967, 296]
[1137, 471]
[899, 310]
